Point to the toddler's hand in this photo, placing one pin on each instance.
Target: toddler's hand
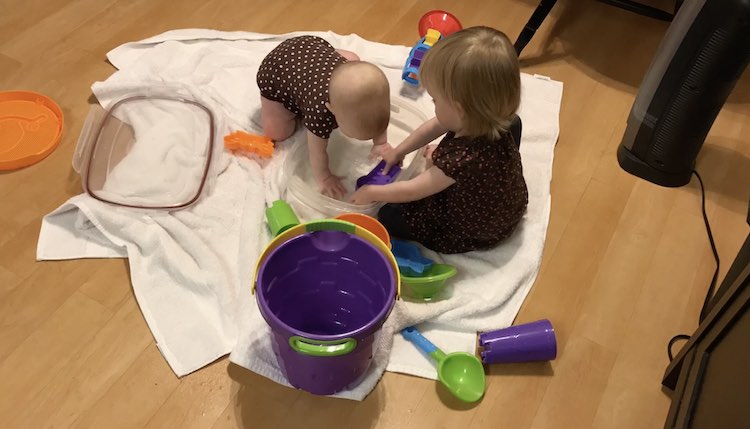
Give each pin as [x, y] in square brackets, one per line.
[429, 150]
[379, 150]
[331, 187]
[362, 196]
[391, 158]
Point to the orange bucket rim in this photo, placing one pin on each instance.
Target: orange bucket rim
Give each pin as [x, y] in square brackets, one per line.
[382, 232]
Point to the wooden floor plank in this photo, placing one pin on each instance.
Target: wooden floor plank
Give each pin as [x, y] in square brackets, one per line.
[626, 263]
[36, 361]
[91, 373]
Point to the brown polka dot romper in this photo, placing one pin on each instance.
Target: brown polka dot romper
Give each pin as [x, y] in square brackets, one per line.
[297, 73]
[485, 204]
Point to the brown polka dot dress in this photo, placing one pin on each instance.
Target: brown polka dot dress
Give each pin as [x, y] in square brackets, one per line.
[297, 73]
[485, 204]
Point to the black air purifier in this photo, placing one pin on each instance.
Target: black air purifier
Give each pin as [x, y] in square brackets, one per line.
[703, 54]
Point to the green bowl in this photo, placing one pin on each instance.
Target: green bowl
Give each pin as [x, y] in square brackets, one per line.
[429, 284]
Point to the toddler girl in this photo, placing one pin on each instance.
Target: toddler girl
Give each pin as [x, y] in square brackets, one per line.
[472, 194]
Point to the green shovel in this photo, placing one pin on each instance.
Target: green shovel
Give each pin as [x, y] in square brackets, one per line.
[461, 373]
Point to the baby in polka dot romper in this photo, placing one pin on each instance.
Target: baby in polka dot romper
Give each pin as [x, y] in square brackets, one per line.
[305, 77]
[472, 194]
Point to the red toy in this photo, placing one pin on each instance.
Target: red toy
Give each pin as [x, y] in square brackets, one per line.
[439, 20]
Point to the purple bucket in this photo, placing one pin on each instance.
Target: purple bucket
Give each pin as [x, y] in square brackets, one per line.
[325, 294]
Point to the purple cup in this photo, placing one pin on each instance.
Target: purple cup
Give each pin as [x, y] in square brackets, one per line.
[325, 294]
[529, 342]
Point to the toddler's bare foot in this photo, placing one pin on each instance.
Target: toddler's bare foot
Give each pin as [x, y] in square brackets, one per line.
[349, 55]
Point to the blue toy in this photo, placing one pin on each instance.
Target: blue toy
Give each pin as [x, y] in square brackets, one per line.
[433, 26]
[410, 74]
[410, 261]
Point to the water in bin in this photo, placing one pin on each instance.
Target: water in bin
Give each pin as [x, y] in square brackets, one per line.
[348, 158]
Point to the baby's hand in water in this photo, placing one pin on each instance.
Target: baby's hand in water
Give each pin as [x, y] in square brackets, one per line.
[362, 196]
[379, 150]
[331, 187]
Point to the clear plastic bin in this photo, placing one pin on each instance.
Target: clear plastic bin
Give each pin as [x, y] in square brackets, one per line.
[349, 159]
[149, 152]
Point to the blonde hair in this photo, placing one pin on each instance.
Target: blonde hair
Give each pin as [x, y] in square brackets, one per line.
[361, 89]
[476, 68]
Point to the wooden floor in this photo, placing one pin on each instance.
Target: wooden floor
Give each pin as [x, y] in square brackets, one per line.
[626, 263]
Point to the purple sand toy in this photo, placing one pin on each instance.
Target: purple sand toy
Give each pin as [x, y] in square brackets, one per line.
[376, 176]
[325, 294]
[529, 342]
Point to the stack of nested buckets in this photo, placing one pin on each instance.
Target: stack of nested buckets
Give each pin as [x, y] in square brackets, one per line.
[325, 288]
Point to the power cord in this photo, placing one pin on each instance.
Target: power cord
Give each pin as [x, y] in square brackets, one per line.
[674, 340]
[712, 286]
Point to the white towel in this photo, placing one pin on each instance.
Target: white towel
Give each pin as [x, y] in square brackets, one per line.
[192, 269]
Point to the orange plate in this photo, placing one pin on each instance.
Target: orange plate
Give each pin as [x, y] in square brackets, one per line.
[31, 125]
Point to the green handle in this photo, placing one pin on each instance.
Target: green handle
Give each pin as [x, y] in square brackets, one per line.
[438, 355]
[280, 217]
[330, 225]
[310, 347]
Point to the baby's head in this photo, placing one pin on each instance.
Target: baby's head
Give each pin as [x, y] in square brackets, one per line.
[359, 97]
[476, 70]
